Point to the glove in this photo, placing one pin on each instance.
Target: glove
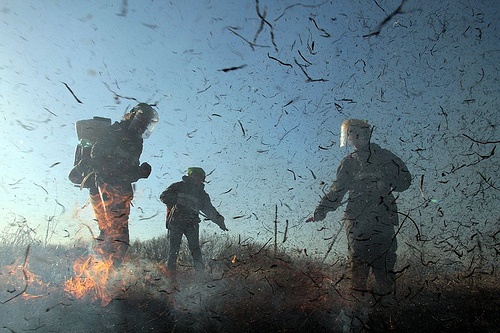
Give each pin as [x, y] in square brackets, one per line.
[144, 170]
[319, 214]
[221, 224]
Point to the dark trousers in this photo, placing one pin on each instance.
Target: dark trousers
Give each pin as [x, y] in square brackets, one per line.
[372, 250]
[381, 265]
[175, 237]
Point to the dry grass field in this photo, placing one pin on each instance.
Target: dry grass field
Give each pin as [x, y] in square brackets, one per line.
[247, 287]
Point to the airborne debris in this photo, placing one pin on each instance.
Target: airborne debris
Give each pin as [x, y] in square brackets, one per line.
[303, 58]
[325, 33]
[279, 61]
[242, 128]
[52, 113]
[385, 21]
[312, 173]
[72, 93]
[227, 191]
[252, 45]
[263, 21]
[117, 96]
[229, 69]
[309, 79]
[293, 173]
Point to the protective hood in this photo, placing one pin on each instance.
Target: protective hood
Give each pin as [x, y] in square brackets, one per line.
[144, 119]
[354, 127]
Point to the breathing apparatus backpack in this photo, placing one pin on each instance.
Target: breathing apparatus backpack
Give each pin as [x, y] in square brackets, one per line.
[87, 132]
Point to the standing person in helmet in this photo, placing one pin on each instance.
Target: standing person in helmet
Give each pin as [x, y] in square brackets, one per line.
[114, 159]
[369, 175]
[185, 200]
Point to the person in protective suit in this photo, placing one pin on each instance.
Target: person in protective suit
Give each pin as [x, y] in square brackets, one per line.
[114, 161]
[370, 175]
[185, 200]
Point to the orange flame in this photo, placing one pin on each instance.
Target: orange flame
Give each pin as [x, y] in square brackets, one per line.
[19, 278]
[33, 280]
[233, 260]
[92, 276]
[112, 209]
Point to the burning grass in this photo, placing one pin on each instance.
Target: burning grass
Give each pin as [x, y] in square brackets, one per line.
[247, 288]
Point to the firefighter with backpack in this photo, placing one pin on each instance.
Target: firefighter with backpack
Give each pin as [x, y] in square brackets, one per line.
[107, 163]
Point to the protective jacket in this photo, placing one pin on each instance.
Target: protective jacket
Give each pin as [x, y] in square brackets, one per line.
[184, 200]
[370, 176]
[115, 155]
